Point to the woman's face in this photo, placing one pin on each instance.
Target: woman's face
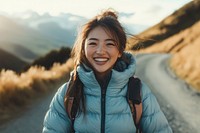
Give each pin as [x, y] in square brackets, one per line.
[101, 50]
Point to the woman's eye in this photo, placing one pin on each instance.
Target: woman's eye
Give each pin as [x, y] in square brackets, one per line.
[110, 44]
[92, 43]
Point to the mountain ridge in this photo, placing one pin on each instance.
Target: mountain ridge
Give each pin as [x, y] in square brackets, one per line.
[181, 19]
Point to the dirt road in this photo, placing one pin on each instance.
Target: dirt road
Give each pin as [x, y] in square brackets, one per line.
[179, 102]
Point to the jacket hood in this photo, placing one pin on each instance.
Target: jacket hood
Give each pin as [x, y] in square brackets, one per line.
[120, 74]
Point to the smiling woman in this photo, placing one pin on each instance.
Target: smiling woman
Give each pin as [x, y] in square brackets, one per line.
[101, 51]
[95, 99]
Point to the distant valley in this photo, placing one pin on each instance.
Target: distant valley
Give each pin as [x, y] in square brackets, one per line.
[28, 43]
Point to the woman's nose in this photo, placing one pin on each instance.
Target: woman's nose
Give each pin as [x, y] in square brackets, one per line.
[100, 48]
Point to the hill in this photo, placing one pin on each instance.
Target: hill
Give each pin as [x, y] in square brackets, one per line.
[173, 24]
[19, 51]
[11, 62]
[180, 36]
[185, 48]
[54, 56]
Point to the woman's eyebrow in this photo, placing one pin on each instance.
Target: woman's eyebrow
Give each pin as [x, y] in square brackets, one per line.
[110, 40]
[93, 39]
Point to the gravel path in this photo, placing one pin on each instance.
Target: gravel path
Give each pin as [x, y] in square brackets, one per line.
[179, 102]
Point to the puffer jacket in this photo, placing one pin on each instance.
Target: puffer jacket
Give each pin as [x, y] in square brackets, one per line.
[118, 117]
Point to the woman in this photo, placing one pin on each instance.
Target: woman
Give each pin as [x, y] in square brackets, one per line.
[101, 74]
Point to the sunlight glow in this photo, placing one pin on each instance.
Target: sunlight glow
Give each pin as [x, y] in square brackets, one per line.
[145, 12]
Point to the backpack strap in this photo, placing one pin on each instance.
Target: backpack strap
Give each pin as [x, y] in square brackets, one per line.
[135, 101]
[73, 104]
[72, 111]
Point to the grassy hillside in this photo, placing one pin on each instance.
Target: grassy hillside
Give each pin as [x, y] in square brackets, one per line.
[16, 91]
[183, 44]
[173, 24]
[185, 47]
[11, 62]
[186, 62]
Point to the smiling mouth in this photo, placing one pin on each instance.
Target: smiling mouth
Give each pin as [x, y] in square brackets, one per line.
[101, 59]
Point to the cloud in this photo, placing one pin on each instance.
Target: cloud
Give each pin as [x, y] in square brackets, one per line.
[154, 9]
[126, 15]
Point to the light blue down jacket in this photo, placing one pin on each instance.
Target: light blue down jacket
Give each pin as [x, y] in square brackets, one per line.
[118, 117]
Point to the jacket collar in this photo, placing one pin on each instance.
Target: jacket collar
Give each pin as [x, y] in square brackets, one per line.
[120, 75]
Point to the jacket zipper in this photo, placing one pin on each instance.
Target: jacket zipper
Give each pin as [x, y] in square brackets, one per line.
[104, 86]
[103, 108]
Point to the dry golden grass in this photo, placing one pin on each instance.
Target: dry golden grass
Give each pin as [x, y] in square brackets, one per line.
[185, 48]
[186, 63]
[16, 90]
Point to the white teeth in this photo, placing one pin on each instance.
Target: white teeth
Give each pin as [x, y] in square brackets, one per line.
[100, 59]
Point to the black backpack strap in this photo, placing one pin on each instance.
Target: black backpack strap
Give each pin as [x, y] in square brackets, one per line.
[135, 101]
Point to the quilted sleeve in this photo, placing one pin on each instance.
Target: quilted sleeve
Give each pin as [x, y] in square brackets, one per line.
[153, 120]
[56, 119]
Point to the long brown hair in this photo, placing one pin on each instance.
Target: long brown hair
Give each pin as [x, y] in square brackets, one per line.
[107, 20]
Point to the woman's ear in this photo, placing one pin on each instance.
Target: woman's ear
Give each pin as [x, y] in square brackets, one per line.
[119, 55]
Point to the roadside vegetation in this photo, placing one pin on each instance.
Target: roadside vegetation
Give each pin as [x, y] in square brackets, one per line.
[17, 89]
